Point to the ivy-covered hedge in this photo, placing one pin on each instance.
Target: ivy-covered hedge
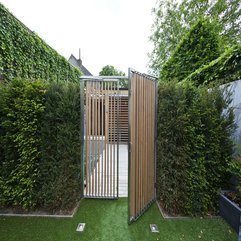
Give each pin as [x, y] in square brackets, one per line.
[39, 144]
[222, 70]
[23, 54]
[193, 147]
[197, 48]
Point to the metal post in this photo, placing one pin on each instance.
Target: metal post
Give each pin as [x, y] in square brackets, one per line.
[129, 142]
[82, 142]
[117, 120]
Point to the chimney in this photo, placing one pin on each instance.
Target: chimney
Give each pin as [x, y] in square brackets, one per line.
[79, 60]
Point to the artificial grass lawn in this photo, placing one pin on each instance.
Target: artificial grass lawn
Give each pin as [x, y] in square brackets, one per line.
[107, 220]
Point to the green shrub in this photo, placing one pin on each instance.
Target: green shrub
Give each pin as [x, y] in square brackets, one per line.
[197, 48]
[222, 70]
[23, 54]
[60, 182]
[193, 147]
[22, 107]
[40, 144]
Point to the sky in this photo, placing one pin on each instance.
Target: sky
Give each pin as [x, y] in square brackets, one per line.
[108, 32]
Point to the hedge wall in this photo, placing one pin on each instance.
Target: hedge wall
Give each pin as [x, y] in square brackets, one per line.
[21, 107]
[197, 48]
[222, 70]
[60, 173]
[39, 144]
[23, 54]
[193, 147]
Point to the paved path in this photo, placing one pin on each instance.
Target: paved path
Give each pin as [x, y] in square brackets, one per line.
[95, 183]
[123, 171]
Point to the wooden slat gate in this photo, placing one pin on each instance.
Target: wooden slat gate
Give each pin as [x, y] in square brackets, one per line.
[101, 138]
[142, 132]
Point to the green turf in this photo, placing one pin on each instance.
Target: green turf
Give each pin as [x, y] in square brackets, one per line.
[107, 220]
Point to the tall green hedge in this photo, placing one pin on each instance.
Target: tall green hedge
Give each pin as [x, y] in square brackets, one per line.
[222, 70]
[40, 144]
[22, 106]
[23, 54]
[60, 174]
[197, 48]
[193, 147]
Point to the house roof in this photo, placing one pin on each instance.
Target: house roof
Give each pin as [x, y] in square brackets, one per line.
[78, 64]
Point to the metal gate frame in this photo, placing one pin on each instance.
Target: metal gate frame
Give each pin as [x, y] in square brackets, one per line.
[146, 205]
[99, 194]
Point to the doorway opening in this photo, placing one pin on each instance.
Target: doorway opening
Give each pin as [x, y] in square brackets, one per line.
[119, 139]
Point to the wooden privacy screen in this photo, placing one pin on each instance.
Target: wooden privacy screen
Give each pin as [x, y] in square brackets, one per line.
[123, 117]
[101, 139]
[142, 114]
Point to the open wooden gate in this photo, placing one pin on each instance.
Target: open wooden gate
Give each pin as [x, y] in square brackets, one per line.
[142, 133]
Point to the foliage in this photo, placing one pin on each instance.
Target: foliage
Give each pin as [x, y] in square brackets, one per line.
[173, 20]
[198, 47]
[60, 148]
[39, 122]
[23, 54]
[235, 170]
[110, 70]
[22, 106]
[224, 69]
[40, 144]
[193, 147]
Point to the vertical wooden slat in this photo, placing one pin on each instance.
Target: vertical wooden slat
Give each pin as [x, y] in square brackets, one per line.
[102, 136]
[95, 138]
[114, 142]
[145, 141]
[149, 138]
[108, 139]
[92, 138]
[117, 137]
[152, 142]
[106, 134]
[98, 128]
[111, 135]
[141, 141]
[137, 147]
[153, 138]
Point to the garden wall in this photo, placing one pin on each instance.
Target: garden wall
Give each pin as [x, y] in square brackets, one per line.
[235, 89]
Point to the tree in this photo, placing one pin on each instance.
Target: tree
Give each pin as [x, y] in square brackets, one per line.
[173, 20]
[197, 48]
[110, 70]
